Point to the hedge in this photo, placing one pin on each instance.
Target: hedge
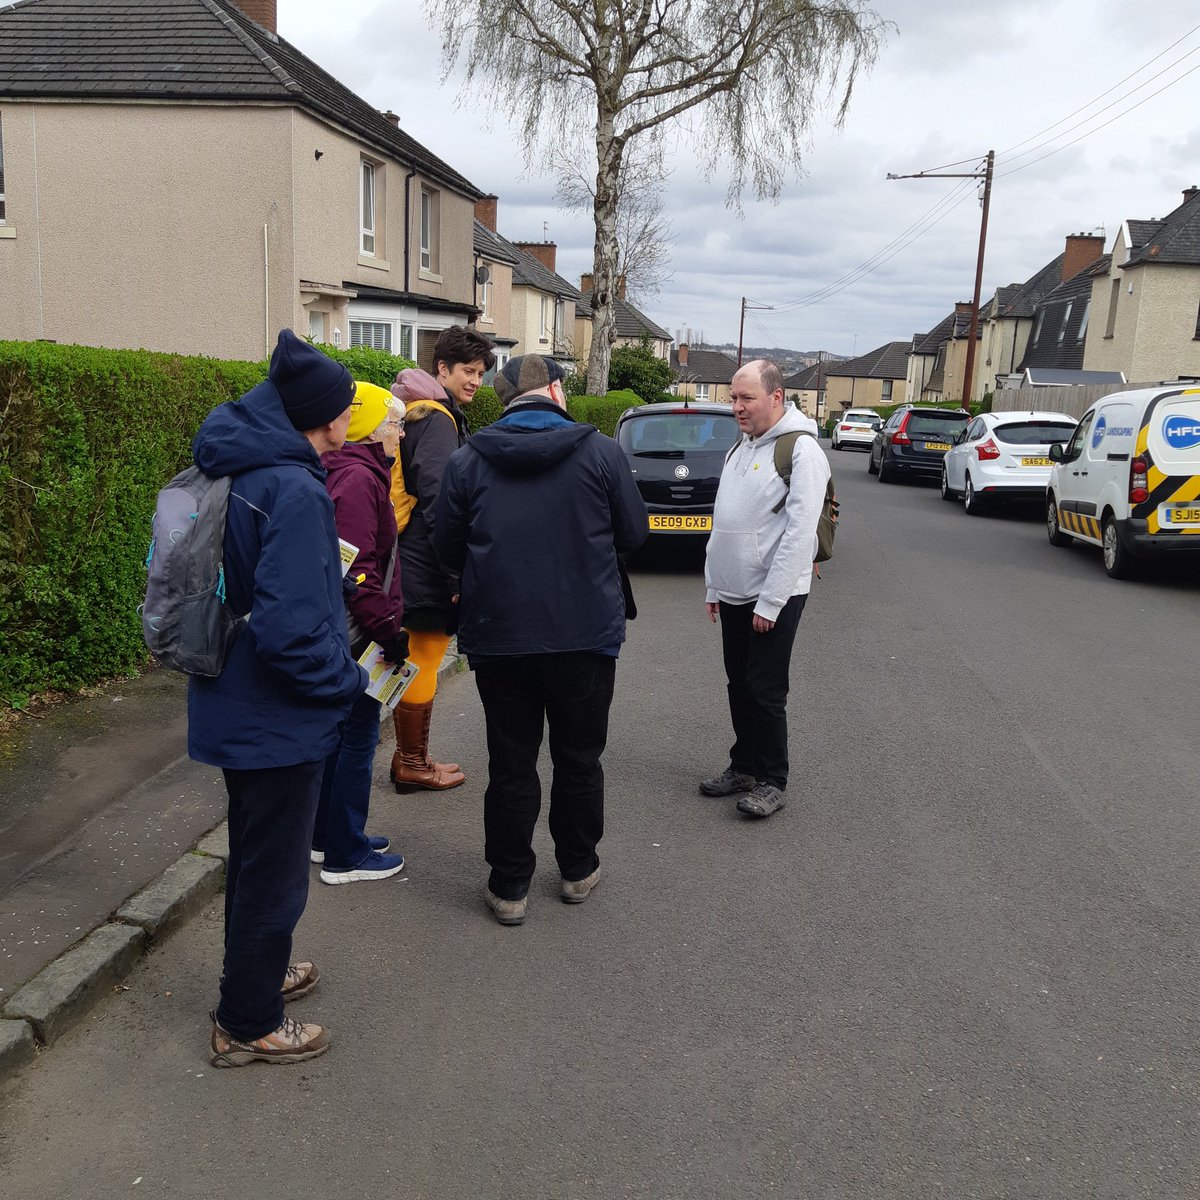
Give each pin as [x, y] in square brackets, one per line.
[87, 438]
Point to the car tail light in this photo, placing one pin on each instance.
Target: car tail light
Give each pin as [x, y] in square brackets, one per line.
[844, 428]
[987, 450]
[1138, 492]
[899, 437]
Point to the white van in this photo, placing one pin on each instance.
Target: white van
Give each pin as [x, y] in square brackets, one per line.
[1128, 481]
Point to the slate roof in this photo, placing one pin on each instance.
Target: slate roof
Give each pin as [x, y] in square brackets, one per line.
[1176, 239]
[1023, 301]
[167, 50]
[941, 332]
[1060, 338]
[631, 322]
[531, 273]
[807, 378]
[889, 361]
[488, 243]
[1141, 232]
[704, 366]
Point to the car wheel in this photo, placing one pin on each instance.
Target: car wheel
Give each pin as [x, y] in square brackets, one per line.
[947, 494]
[1118, 562]
[833, 445]
[885, 472]
[971, 502]
[1053, 529]
[872, 469]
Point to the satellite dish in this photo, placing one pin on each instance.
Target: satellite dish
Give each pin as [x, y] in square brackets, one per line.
[482, 275]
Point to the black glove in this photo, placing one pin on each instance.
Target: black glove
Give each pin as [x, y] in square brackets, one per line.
[395, 649]
[349, 587]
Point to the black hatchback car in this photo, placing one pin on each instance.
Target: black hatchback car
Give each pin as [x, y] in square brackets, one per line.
[676, 452]
[914, 441]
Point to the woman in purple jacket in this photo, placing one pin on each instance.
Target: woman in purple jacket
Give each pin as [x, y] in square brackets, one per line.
[359, 484]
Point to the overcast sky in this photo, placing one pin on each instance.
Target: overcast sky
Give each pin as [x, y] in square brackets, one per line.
[952, 83]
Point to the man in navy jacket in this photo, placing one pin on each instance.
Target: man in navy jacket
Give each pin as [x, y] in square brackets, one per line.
[533, 511]
[272, 715]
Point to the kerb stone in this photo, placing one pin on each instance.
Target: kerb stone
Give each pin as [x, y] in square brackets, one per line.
[16, 1045]
[181, 889]
[216, 842]
[58, 996]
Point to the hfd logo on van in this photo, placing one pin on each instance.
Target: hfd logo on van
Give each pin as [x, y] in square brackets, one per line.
[1180, 432]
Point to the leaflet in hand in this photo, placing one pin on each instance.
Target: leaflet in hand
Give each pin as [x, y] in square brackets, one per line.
[389, 681]
[349, 553]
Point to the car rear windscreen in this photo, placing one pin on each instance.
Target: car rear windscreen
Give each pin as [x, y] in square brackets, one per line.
[667, 433]
[950, 423]
[1029, 433]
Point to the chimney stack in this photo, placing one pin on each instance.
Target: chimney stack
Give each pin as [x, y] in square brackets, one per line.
[261, 12]
[1188, 193]
[392, 118]
[485, 211]
[963, 307]
[1081, 251]
[585, 282]
[545, 252]
[681, 354]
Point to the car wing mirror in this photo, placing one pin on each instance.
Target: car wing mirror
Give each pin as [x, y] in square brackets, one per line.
[1056, 452]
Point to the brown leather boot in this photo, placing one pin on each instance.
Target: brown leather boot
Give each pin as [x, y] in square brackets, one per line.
[411, 765]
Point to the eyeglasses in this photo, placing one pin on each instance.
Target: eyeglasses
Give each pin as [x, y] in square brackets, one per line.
[393, 423]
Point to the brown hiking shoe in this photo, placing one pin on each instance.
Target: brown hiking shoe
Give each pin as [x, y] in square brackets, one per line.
[292, 1042]
[300, 979]
[507, 912]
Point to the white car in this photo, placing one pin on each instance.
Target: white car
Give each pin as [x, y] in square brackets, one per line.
[1003, 456]
[855, 427]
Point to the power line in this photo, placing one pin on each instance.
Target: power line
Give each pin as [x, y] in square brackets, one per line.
[1125, 96]
[921, 225]
[1104, 93]
[1089, 133]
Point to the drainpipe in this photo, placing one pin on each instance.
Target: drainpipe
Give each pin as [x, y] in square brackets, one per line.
[266, 298]
[412, 170]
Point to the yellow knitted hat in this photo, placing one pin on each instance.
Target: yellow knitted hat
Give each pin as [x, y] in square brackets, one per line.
[368, 410]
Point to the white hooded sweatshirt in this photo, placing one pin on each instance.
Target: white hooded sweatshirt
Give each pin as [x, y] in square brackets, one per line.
[755, 554]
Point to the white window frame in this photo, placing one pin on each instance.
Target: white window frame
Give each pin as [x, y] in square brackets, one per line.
[1083, 321]
[544, 318]
[485, 300]
[380, 334]
[430, 217]
[367, 222]
[885, 392]
[702, 391]
[1066, 319]
[560, 321]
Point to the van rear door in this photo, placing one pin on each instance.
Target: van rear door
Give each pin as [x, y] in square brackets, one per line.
[1169, 440]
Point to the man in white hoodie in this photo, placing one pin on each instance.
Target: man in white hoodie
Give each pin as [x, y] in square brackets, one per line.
[758, 573]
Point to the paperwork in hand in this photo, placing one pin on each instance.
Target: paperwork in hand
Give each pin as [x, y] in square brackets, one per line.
[389, 681]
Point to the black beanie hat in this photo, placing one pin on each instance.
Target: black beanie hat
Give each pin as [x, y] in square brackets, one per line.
[315, 389]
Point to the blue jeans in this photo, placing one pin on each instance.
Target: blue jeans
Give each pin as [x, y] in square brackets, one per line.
[266, 887]
[341, 825]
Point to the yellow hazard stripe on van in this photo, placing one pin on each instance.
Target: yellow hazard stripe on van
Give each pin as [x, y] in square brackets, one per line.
[1187, 492]
[1079, 524]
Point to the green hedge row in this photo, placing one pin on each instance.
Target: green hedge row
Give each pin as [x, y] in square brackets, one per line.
[87, 438]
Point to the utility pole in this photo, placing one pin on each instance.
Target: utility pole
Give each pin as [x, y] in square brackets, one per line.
[973, 330]
[742, 324]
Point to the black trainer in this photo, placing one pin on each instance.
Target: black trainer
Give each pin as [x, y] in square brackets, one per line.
[727, 783]
[762, 801]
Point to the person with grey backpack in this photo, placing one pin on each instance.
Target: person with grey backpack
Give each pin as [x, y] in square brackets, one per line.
[270, 715]
[769, 528]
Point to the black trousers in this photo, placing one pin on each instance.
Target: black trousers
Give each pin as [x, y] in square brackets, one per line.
[271, 814]
[756, 665]
[573, 694]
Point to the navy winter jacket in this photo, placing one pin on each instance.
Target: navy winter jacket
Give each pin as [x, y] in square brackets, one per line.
[289, 679]
[534, 511]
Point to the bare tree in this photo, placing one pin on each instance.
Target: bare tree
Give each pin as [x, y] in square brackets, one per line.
[751, 73]
[643, 232]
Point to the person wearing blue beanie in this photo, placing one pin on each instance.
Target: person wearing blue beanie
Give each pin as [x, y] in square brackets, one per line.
[313, 387]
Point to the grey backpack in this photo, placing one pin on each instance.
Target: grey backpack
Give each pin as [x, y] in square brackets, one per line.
[186, 621]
